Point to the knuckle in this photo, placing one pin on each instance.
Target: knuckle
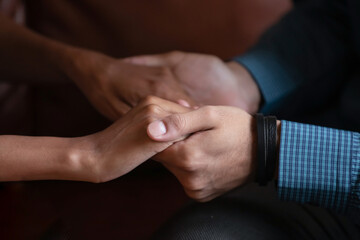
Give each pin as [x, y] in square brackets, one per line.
[210, 112]
[188, 165]
[178, 122]
[191, 163]
[196, 195]
[192, 158]
[149, 100]
[151, 110]
[195, 153]
[193, 194]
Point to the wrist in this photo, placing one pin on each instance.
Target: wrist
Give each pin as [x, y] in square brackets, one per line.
[80, 164]
[254, 146]
[86, 68]
[45, 158]
[248, 89]
[73, 62]
[59, 56]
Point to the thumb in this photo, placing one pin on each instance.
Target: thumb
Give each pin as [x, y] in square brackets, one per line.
[176, 127]
[156, 60]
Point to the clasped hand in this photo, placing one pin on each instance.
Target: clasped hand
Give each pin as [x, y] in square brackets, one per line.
[114, 86]
[210, 149]
[218, 154]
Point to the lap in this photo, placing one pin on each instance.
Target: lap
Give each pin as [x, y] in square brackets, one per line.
[255, 213]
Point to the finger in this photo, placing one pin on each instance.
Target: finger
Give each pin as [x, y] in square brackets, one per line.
[113, 108]
[183, 99]
[183, 103]
[198, 195]
[176, 126]
[169, 155]
[120, 107]
[166, 105]
[109, 113]
[151, 61]
[173, 107]
[106, 109]
[202, 195]
[165, 59]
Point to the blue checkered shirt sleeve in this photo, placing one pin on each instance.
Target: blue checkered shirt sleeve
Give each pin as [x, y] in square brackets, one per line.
[320, 166]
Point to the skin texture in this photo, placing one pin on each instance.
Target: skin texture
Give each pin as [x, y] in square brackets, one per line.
[114, 86]
[111, 85]
[99, 157]
[207, 79]
[123, 146]
[219, 154]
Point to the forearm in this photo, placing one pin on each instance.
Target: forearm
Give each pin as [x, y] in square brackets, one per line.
[27, 57]
[41, 158]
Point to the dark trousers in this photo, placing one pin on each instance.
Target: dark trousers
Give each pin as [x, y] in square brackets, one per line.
[255, 213]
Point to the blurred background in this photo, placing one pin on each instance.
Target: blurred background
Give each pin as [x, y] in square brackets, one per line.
[136, 205]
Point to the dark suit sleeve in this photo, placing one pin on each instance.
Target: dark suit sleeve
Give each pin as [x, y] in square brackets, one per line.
[306, 51]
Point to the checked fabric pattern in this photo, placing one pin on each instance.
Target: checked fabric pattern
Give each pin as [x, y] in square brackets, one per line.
[320, 166]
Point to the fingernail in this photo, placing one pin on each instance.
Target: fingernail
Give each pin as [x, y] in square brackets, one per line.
[196, 107]
[184, 103]
[157, 129]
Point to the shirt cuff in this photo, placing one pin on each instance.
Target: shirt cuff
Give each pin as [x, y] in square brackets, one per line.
[318, 165]
[271, 75]
[354, 201]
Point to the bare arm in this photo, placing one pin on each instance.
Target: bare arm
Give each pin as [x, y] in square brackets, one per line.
[111, 85]
[38, 158]
[29, 57]
[99, 157]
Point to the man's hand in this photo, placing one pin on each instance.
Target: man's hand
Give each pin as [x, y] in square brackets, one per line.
[217, 157]
[114, 86]
[208, 80]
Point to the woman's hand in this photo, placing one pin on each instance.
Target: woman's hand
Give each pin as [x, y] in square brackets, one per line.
[123, 146]
[114, 86]
[99, 157]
